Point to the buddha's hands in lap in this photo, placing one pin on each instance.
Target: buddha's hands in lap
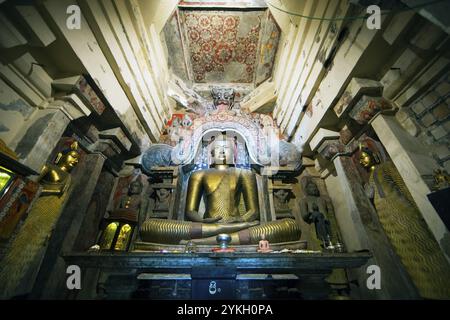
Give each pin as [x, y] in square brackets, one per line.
[215, 229]
[240, 220]
[194, 217]
[211, 220]
[250, 216]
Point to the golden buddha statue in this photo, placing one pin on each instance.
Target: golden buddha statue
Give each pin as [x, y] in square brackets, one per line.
[221, 186]
[55, 178]
[405, 227]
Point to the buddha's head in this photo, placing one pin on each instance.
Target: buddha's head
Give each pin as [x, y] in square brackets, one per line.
[135, 187]
[281, 195]
[311, 189]
[67, 160]
[162, 193]
[367, 158]
[222, 151]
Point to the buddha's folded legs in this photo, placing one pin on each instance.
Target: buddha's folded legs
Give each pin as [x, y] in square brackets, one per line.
[284, 230]
[172, 232]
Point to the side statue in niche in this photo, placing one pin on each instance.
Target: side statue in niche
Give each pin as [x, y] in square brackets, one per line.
[128, 212]
[131, 201]
[318, 209]
[281, 199]
[404, 225]
[55, 177]
[162, 200]
[222, 186]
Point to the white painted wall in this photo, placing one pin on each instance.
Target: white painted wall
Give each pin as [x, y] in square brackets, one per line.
[157, 12]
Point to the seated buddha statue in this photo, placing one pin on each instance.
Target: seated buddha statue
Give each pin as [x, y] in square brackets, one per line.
[55, 177]
[221, 186]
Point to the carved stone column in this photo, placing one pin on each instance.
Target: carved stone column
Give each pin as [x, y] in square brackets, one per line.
[41, 137]
[357, 219]
[73, 98]
[50, 282]
[361, 229]
[360, 102]
[413, 164]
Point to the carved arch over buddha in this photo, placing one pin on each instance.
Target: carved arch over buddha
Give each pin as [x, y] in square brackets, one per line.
[256, 139]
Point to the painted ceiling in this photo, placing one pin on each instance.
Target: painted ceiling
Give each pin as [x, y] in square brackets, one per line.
[222, 46]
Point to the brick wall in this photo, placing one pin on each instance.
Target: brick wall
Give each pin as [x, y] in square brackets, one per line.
[432, 114]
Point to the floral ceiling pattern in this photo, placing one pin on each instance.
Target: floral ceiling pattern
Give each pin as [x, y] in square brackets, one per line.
[223, 46]
[214, 44]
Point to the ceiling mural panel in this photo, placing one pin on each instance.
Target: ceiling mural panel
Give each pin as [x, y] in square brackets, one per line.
[172, 37]
[222, 46]
[268, 50]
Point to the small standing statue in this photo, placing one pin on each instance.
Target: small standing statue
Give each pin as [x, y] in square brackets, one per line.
[264, 245]
[55, 177]
[318, 209]
[323, 229]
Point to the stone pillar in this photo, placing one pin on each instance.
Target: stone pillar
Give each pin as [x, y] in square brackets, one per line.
[41, 137]
[51, 280]
[413, 164]
[47, 126]
[358, 221]
[95, 212]
[361, 229]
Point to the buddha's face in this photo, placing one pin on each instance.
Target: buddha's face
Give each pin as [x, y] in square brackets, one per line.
[69, 160]
[135, 187]
[365, 159]
[222, 152]
[162, 193]
[312, 190]
[281, 195]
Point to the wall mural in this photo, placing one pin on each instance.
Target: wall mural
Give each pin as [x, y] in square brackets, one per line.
[269, 44]
[172, 37]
